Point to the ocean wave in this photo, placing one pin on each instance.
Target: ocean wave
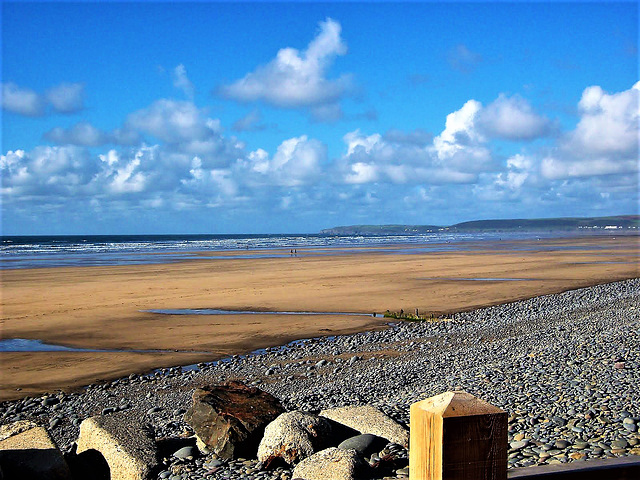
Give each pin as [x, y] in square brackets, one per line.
[30, 252]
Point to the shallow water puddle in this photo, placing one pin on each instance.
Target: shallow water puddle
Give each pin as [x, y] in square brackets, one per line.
[215, 311]
[601, 263]
[30, 345]
[479, 279]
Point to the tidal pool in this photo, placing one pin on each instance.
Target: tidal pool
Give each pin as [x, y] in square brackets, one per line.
[31, 345]
[215, 311]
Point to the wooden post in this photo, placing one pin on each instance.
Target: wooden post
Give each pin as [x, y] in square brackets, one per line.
[456, 436]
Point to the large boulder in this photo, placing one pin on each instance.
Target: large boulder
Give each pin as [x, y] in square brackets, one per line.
[27, 452]
[126, 444]
[368, 419]
[292, 437]
[332, 464]
[365, 444]
[229, 419]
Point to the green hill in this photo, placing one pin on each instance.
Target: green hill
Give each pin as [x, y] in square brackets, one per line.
[536, 224]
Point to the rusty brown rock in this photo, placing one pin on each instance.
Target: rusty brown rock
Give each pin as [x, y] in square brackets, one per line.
[229, 419]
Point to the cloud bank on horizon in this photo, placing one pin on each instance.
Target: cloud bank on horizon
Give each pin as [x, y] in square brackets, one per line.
[175, 158]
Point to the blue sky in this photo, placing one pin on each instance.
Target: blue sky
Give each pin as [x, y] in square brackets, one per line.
[293, 117]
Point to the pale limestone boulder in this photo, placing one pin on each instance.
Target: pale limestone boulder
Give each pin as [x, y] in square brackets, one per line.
[127, 445]
[293, 436]
[332, 464]
[368, 419]
[27, 452]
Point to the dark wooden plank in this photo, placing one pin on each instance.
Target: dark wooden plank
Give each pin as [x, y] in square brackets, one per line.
[623, 468]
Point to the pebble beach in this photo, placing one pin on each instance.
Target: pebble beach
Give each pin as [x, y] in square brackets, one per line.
[564, 366]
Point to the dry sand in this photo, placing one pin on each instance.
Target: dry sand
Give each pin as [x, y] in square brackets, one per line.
[103, 307]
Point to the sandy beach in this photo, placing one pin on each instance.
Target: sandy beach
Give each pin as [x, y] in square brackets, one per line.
[104, 307]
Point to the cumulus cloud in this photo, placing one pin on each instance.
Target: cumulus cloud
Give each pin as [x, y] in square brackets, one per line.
[461, 146]
[459, 154]
[123, 176]
[64, 98]
[188, 162]
[297, 161]
[402, 159]
[86, 135]
[605, 140]
[216, 185]
[82, 133]
[46, 171]
[173, 121]
[518, 170]
[608, 123]
[182, 82]
[296, 79]
[140, 174]
[513, 118]
[459, 130]
[556, 167]
[22, 101]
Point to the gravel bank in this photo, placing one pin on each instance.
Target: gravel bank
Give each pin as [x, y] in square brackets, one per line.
[566, 367]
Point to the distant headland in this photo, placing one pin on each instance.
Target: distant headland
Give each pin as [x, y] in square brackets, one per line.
[542, 224]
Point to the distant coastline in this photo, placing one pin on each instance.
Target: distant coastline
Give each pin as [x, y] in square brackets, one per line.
[577, 224]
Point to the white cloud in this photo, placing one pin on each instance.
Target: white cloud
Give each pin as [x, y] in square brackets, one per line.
[356, 141]
[297, 79]
[194, 166]
[66, 97]
[459, 131]
[82, 133]
[405, 159]
[86, 135]
[608, 123]
[518, 171]
[46, 171]
[460, 146]
[124, 177]
[605, 140]
[297, 161]
[21, 100]
[182, 82]
[558, 167]
[361, 172]
[172, 121]
[215, 184]
[513, 118]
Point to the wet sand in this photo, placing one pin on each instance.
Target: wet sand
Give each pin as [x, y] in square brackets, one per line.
[103, 307]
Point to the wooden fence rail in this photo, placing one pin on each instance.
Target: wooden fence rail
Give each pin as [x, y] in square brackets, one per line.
[456, 436]
[623, 468]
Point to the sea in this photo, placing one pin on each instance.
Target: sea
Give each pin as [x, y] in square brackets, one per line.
[101, 250]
